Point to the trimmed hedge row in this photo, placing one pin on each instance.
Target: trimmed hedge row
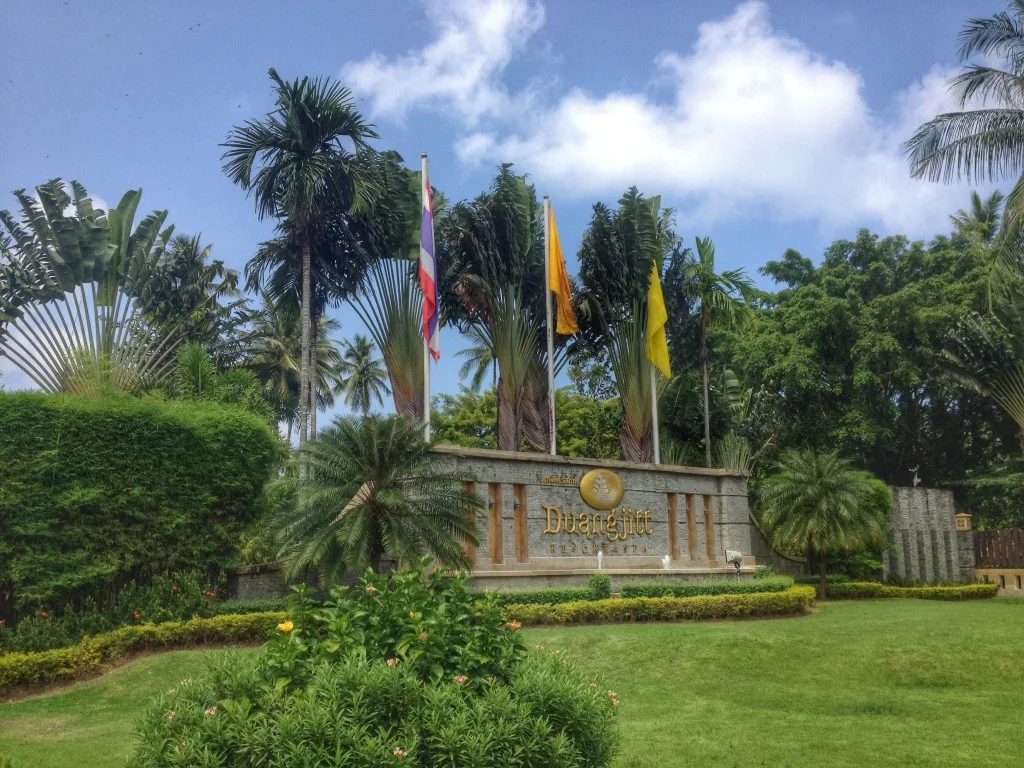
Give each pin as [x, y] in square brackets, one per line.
[796, 599]
[857, 590]
[94, 652]
[708, 587]
[599, 587]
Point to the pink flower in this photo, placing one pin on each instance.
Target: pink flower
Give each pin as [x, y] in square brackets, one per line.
[399, 752]
[392, 661]
[460, 679]
[210, 711]
[136, 615]
[43, 614]
[174, 588]
[170, 715]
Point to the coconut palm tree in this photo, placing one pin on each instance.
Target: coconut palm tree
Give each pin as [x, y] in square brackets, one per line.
[718, 298]
[815, 503]
[374, 488]
[983, 217]
[985, 143]
[986, 353]
[362, 377]
[296, 162]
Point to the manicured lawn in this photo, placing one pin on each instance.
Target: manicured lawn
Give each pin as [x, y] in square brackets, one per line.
[887, 682]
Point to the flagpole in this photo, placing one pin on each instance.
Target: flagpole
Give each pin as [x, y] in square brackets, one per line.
[654, 415]
[426, 342]
[548, 329]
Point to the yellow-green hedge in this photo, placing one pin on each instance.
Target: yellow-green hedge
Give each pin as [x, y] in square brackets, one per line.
[90, 655]
[855, 590]
[622, 609]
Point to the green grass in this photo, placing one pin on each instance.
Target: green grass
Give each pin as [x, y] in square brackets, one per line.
[887, 682]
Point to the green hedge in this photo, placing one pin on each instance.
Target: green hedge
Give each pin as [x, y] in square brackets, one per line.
[257, 605]
[794, 600]
[599, 587]
[667, 588]
[866, 589]
[95, 492]
[90, 655]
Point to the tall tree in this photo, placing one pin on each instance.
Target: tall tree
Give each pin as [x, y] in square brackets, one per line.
[816, 504]
[362, 377]
[985, 144]
[374, 488]
[72, 285]
[492, 279]
[983, 217]
[296, 160]
[719, 298]
[618, 251]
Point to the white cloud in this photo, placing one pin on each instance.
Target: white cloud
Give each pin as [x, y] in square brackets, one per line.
[756, 122]
[459, 70]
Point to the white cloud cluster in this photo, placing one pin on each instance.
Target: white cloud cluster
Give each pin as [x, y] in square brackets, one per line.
[752, 122]
[475, 41]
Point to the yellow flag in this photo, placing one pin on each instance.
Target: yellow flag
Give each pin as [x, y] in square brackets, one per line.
[657, 317]
[558, 280]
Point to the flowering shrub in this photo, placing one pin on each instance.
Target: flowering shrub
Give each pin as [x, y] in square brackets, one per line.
[408, 669]
[431, 624]
[362, 713]
[167, 597]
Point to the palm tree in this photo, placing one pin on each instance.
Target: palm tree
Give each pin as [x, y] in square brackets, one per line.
[374, 488]
[983, 217]
[983, 144]
[492, 287]
[986, 353]
[718, 298]
[617, 254]
[73, 287]
[294, 163]
[815, 503]
[362, 377]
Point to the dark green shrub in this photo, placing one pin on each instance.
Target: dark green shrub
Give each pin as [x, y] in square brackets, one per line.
[599, 587]
[794, 600]
[868, 589]
[832, 578]
[360, 713]
[259, 605]
[94, 493]
[664, 587]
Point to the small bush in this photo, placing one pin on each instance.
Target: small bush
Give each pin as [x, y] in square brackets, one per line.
[796, 599]
[259, 605]
[599, 587]
[90, 655]
[832, 578]
[665, 588]
[868, 589]
[364, 714]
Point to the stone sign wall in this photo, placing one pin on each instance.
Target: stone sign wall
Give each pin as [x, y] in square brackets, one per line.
[926, 544]
[537, 527]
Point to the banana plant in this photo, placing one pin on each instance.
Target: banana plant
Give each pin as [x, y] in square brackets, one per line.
[70, 281]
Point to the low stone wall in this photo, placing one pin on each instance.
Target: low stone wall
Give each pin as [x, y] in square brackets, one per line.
[537, 529]
[926, 542]
[1010, 580]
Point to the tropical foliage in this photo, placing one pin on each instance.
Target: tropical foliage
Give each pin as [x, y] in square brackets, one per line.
[816, 504]
[373, 489]
[361, 376]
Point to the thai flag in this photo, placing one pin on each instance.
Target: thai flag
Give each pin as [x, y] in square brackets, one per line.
[428, 270]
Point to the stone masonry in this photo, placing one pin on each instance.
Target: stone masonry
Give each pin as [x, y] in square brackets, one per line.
[925, 545]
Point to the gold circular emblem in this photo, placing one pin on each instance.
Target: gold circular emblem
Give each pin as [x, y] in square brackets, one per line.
[601, 488]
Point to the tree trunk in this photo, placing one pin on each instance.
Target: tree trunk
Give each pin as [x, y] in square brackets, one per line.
[707, 394]
[822, 576]
[304, 380]
[509, 421]
[314, 382]
[638, 448]
[291, 425]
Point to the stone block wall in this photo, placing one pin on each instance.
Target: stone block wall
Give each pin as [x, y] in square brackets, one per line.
[925, 545]
[693, 515]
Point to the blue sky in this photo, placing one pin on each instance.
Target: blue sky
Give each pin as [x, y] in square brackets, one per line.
[765, 125]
